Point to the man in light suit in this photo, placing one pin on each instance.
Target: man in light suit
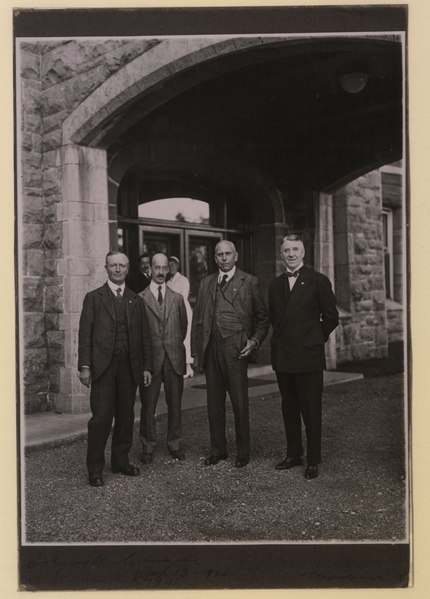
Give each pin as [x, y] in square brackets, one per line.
[114, 355]
[303, 313]
[230, 321]
[167, 319]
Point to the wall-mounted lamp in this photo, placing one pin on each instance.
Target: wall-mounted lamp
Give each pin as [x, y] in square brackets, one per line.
[354, 82]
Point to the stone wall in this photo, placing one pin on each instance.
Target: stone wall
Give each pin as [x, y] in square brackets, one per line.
[55, 78]
[359, 269]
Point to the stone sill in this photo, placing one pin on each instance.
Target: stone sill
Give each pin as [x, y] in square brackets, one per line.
[343, 314]
[393, 306]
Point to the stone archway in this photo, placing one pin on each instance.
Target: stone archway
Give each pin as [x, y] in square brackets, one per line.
[87, 221]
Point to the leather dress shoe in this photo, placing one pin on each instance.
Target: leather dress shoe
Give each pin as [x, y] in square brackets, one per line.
[178, 455]
[96, 480]
[241, 461]
[289, 463]
[128, 470]
[213, 459]
[146, 458]
[311, 471]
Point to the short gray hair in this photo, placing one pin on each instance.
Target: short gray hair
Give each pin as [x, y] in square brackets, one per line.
[115, 253]
[291, 238]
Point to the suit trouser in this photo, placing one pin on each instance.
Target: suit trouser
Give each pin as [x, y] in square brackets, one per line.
[302, 398]
[173, 388]
[225, 372]
[112, 396]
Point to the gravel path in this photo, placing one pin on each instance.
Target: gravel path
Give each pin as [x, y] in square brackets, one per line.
[359, 496]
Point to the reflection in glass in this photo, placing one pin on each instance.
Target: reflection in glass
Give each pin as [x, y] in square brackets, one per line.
[198, 267]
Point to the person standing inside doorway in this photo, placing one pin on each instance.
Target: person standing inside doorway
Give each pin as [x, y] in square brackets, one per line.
[230, 322]
[138, 280]
[179, 283]
[303, 313]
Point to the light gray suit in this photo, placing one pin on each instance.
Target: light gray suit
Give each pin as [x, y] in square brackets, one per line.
[167, 328]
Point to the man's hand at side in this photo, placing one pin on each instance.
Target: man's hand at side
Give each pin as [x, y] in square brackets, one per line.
[147, 378]
[85, 376]
[251, 344]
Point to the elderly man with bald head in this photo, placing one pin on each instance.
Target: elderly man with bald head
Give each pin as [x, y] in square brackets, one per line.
[167, 319]
[230, 322]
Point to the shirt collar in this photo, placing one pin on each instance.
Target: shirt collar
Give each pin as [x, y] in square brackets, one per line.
[229, 274]
[113, 287]
[154, 287]
[298, 268]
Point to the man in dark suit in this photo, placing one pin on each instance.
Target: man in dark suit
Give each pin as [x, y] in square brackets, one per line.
[167, 318]
[138, 280]
[230, 321]
[114, 354]
[303, 313]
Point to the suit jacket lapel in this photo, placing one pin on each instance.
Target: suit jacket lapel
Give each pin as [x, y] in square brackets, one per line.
[106, 297]
[237, 282]
[169, 301]
[151, 302]
[212, 286]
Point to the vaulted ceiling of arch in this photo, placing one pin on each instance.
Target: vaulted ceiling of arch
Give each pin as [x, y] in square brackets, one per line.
[282, 109]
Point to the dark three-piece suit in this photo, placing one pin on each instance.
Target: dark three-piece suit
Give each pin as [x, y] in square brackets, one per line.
[302, 320]
[114, 343]
[223, 320]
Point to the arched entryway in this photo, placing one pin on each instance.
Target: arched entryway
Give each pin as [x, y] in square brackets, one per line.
[255, 127]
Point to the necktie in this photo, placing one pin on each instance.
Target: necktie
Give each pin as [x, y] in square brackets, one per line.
[160, 295]
[118, 294]
[223, 281]
[292, 274]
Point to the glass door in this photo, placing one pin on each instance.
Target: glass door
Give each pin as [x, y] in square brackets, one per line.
[199, 262]
[162, 240]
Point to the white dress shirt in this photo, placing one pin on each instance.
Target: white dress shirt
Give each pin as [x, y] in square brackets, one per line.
[292, 280]
[113, 287]
[230, 275]
[154, 289]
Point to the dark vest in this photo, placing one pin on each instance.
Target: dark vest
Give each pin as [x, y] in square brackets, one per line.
[225, 320]
[121, 331]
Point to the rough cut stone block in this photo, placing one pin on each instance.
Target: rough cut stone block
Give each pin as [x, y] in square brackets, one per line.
[34, 330]
[54, 121]
[52, 321]
[50, 212]
[32, 123]
[30, 64]
[34, 262]
[52, 180]
[52, 140]
[54, 301]
[36, 368]
[32, 209]
[51, 267]
[54, 100]
[32, 294]
[56, 347]
[49, 159]
[53, 236]
[31, 177]
[32, 236]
